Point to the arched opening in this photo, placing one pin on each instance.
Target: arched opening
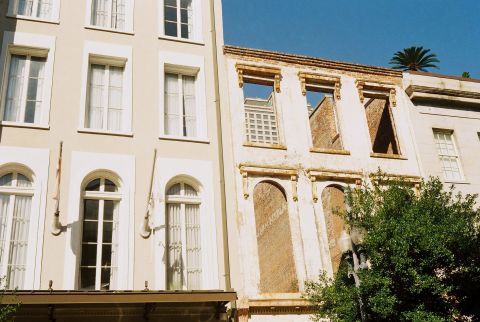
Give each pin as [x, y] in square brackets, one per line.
[333, 201]
[99, 255]
[16, 195]
[183, 243]
[274, 240]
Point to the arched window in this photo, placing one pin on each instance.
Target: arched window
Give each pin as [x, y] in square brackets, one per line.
[16, 193]
[183, 238]
[99, 260]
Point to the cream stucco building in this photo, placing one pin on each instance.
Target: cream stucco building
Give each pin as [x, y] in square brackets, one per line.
[126, 93]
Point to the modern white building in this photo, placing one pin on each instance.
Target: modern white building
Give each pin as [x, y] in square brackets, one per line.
[125, 94]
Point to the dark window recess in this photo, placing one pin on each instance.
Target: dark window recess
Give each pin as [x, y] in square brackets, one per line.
[380, 126]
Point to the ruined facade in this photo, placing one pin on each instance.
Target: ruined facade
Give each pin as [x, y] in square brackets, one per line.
[334, 125]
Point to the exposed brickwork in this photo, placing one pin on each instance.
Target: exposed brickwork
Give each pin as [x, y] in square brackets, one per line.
[324, 127]
[275, 250]
[333, 201]
[380, 126]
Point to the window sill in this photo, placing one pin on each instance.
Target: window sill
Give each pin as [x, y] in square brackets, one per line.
[265, 146]
[22, 17]
[24, 125]
[178, 39]
[102, 132]
[330, 151]
[456, 182]
[387, 156]
[123, 32]
[184, 139]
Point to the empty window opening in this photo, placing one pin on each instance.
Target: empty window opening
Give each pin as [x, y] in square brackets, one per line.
[381, 126]
[323, 119]
[260, 114]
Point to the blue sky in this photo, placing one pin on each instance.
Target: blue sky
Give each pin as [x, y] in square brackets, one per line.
[360, 31]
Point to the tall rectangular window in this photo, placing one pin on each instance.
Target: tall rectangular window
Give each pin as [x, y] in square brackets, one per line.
[178, 18]
[105, 106]
[448, 154]
[108, 14]
[180, 105]
[34, 8]
[260, 116]
[24, 97]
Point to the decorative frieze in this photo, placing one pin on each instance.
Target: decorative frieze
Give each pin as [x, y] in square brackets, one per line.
[316, 81]
[375, 89]
[259, 75]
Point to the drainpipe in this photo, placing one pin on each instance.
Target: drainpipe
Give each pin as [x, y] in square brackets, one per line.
[220, 146]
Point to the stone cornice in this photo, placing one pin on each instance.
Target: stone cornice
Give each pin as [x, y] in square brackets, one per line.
[427, 93]
[309, 61]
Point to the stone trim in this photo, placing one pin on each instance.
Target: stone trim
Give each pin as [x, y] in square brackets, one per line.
[387, 89]
[330, 151]
[387, 156]
[259, 75]
[309, 61]
[418, 92]
[317, 80]
[328, 174]
[268, 171]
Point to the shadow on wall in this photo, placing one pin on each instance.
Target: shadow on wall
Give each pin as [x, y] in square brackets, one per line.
[6, 24]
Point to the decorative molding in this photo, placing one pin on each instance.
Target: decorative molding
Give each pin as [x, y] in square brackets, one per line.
[337, 175]
[313, 181]
[387, 156]
[259, 75]
[382, 88]
[414, 180]
[268, 171]
[319, 81]
[427, 93]
[330, 151]
[310, 61]
[278, 307]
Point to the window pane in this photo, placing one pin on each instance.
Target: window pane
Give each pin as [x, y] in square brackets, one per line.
[100, 12]
[172, 3]
[110, 186]
[44, 8]
[6, 180]
[185, 31]
[105, 278]
[91, 209]
[170, 14]
[189, 108]
[171, 29]
[107, 232]
[89, 255]
[175, 262]
[90, 231]
[174, 190]
[108, 209]
[118, 14]
[4, 202]
[190, 191]
[25, 7]
[34, 90]
[194, 264]
[106, 255]
[93, 185]
[87, 278]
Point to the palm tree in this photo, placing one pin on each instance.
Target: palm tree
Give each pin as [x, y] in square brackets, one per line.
[414, 58]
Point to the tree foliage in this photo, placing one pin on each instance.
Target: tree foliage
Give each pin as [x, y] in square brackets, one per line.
[423, 254]
[414, 58]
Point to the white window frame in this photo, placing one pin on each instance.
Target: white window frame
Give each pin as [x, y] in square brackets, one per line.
[32, 163]
[183, 200]
[114, 55]
[84, 168]
[54, 14]
[456, 156]
[28, 45]
[190, 65]
[101, 196]
[199, 175]
[197, 32]
[129, 20]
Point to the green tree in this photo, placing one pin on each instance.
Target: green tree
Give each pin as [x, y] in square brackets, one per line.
[466, 74]
[414, 58]
[423, 257]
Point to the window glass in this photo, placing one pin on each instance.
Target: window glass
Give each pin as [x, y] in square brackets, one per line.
[178, 18]
[448, 154]
[180, 105]
[24, 106]
[108, 14]
[34, 8]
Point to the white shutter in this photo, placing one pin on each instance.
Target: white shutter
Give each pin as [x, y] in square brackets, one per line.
[115, 98]
[193, 245]
[96, 97]
[174, 248]
[172, 113]
[15, 88]
[190, 120]
[19, 242]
